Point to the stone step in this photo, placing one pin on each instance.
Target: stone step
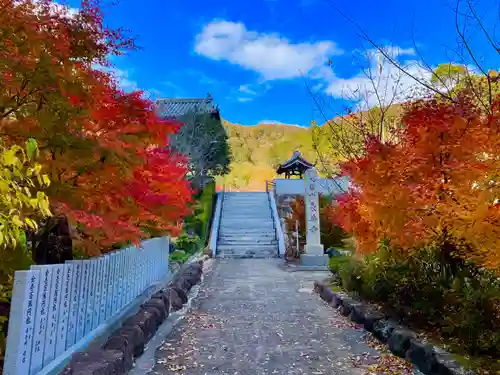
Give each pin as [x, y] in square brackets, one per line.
[262, 192]
[251, 231]
[246, 207]
[264, 235]
[252, 241]
[263, 198]
[253, 215]
[246, 215]
[247, 237]
[247, 223]
[242, 195]
[243, 250]
[244, 247]
[248, 220]
[239, 229]
[248, 254]
[246, 200]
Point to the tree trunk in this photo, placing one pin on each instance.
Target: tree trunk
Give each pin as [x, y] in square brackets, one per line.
[54, 245]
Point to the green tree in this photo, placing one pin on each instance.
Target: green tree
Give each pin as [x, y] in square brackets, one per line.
[22, 205]
[483, 87]
[204, 141]
[20, 198]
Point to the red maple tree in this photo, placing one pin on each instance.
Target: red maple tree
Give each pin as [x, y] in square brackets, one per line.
[105, 150]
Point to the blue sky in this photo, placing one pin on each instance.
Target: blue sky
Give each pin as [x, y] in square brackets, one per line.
[255, 56]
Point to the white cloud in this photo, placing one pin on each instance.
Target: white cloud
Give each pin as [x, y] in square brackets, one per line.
[121, 76]
[274, 57]
[274, 122]
[269, 54]
[380, 82]
[271, 122]
[245, 89]
[244, 99]
[203, 78]
[171, 89]
[154, 94]
[61, 9]
[250, 91]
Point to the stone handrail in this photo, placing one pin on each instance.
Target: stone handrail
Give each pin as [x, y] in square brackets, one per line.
[214, 234]
[277, 224]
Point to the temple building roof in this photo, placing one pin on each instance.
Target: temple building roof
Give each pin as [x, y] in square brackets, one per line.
[295, 166]
[173, 108]
[296, 161]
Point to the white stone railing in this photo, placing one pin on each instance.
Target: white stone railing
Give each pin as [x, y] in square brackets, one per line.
[56, 307]
[324, 186]
[277, 224]
[214, 233]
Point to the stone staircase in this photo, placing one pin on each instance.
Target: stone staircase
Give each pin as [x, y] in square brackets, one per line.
[246, 227]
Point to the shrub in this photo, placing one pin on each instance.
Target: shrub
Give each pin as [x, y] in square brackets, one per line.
[187, 243]
[337, 263]
[199, 222]
[463, 303]
[179, 256]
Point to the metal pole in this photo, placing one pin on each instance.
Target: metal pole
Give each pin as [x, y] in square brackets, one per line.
[297, 235]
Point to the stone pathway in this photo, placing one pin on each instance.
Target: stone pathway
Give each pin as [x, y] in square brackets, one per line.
[251, 317]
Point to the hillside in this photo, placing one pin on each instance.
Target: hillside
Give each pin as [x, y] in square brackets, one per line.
[258, 149]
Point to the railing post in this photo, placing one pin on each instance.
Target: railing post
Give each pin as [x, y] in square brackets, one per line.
[297, 235]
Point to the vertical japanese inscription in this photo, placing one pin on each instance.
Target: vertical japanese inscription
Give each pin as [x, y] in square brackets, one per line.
[73, 310]
[62, 328]
[42, 308]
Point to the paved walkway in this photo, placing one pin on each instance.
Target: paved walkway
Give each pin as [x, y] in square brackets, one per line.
[251, 317]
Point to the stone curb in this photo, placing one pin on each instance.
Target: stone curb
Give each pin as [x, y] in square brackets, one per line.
[116, 356]
[400, 341]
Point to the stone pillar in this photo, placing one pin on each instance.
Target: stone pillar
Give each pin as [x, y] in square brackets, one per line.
[314, 251]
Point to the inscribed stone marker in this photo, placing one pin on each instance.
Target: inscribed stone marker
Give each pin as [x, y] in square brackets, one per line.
[133, 274]
[98, 292]
[53, 313]
[104, 289]
[121, 294]
[41, 314]
[313, 246]
[116, 281]
[151, 262]
[111, 279]
[157, 259]
[63, 323]
[74, 305]
[166, 254]
[89, 316]
[82, 303]
[140, 274]
[129, 267]
[21, 323]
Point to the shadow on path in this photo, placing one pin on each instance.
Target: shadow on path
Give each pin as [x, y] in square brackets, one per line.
[251, 317]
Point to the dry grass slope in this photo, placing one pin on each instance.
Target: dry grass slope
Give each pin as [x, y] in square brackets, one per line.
[257, 150]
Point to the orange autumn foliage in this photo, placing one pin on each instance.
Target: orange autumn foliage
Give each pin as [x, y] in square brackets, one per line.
[440, 183]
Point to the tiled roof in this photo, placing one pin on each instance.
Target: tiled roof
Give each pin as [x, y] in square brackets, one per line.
[296, 159]
[174, 108]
